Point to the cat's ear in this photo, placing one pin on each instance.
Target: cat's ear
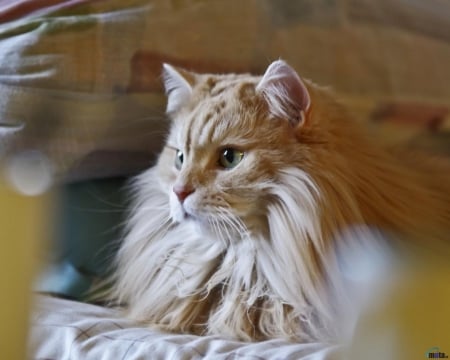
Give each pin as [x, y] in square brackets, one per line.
[285, 93]
[178, 84]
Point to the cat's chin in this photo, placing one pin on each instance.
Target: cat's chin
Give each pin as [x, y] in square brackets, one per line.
[178, 213]
[181, 216]
[229, 228]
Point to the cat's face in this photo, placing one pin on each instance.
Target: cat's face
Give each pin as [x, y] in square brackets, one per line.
[223, 153]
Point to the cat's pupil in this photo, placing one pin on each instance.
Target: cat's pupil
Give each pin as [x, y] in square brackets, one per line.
[179, 159]
[230, 157]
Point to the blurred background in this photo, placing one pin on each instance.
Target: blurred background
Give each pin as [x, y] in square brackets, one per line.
[82, 105]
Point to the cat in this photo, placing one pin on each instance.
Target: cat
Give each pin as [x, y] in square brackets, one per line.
[233, 232]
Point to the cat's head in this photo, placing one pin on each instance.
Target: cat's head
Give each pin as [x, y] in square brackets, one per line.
[230, 137]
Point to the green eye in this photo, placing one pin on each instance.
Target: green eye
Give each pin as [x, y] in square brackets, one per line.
[179, 159]
[230, 157]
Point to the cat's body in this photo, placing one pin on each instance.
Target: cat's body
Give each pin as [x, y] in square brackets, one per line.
[233, 232]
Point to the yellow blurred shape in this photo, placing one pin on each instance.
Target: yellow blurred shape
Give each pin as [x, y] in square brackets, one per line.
[22, 220]
[410, 318]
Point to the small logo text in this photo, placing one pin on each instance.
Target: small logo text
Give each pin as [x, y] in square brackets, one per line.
[435, 353]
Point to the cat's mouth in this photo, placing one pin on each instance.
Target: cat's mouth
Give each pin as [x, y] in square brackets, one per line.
[213, 219]
[213, 222]
[186, 214]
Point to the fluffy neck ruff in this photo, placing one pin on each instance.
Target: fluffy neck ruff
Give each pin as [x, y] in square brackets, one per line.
[280, 281]
[268, 284]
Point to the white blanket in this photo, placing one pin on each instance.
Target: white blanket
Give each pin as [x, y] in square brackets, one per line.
[63, 329]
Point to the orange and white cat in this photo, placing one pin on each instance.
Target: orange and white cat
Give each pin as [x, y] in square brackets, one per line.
[234, 231]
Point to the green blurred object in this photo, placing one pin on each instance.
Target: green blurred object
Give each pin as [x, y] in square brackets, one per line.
[89, 219]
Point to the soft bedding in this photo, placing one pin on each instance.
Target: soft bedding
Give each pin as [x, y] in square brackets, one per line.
[64, 329]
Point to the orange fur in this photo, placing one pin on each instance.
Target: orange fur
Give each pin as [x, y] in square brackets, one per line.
[256, 257]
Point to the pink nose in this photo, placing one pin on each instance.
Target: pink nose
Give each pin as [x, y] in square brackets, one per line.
[182, 192]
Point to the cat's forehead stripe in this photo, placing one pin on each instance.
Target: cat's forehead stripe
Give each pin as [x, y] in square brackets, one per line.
[218, 91]
[209, 117]
[211, 82]
[188, 135]
[190, 128]
[206, 122]
[194, 126]
[209, 121]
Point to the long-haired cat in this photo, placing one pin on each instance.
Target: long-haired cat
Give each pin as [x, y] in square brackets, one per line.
[234, 231]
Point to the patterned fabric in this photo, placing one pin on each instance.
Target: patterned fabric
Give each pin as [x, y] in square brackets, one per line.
[83, 76]
[92, 332]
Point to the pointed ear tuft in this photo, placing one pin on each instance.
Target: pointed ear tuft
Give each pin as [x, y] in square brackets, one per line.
[178, 88]
[285, 93]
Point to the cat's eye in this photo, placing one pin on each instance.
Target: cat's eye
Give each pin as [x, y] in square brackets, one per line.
[179, 159]
[230, 157]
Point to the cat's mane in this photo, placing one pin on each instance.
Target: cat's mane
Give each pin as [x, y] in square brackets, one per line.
[276, 282]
